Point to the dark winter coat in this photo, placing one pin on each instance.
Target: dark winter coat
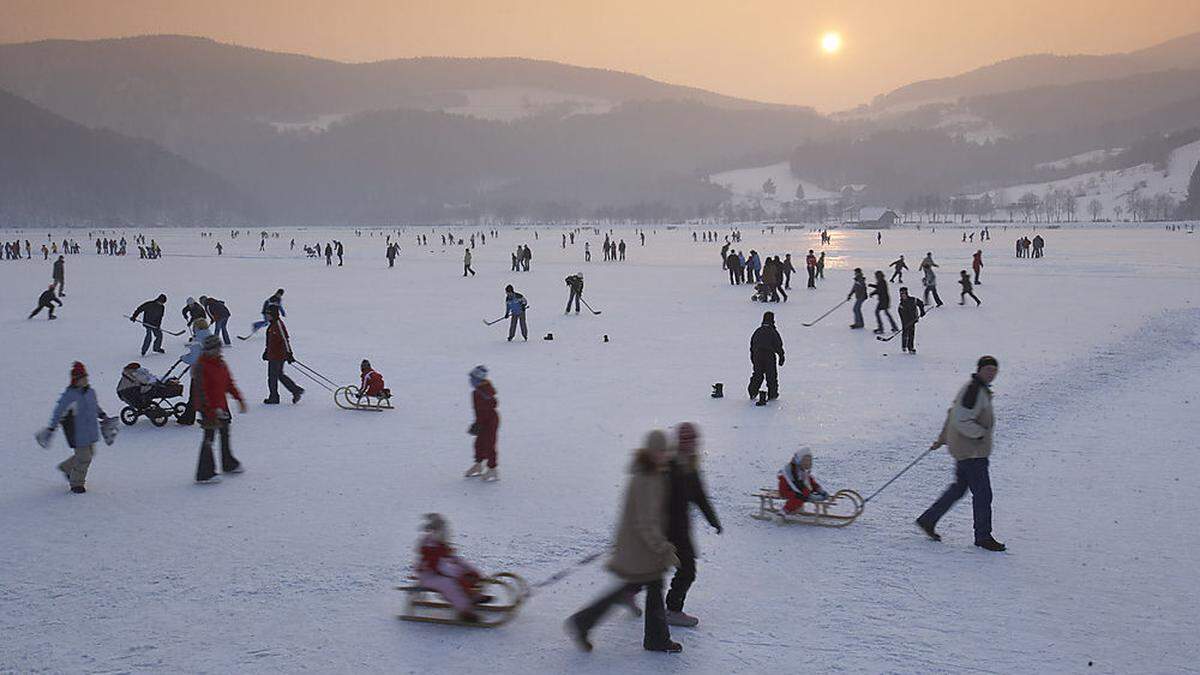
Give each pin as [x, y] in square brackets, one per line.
[276, 302]
[859, 290]
[151, 312]
[58, 270]
[880, 291]
[194, 311]
[765, 343]
[910, 310]
[47, 299]
[216, 309]
[732, 262]
[576, 283]
[685, 487]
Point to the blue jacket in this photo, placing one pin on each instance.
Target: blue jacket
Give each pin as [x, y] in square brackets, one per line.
[273, 302]
[81, 402]
[755, 263]
[515, 305]
[195, 347]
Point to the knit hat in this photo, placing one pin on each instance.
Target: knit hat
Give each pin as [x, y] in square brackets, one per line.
[200, 323]
[987, 361]
[212, 344]
[801, 454]
[687, 434]
[434, 524]
[78, 371]
[365, 365]
[190, 300]
[478, 374]
[656, 441]
[768, 318]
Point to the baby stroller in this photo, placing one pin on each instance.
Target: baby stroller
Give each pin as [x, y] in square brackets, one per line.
[147, 397]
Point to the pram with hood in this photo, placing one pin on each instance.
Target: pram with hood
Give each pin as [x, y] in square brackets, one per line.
[148, 396]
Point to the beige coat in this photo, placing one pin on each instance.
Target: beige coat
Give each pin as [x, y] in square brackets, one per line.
[641, 552]
[967, 432]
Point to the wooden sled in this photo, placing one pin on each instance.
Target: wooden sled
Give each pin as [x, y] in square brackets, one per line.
[508, 592]
[348, 398]
[839, 510]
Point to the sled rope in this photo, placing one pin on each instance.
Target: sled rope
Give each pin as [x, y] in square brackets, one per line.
[565, 572]
[313, 375]
[902, 472]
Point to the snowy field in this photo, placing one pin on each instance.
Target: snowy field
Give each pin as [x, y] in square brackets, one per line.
[290, 566]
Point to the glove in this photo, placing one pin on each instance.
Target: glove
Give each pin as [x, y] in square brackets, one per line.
[132, 319]
[43, 437]
[781, 359]
[290, 358]
[473, 429]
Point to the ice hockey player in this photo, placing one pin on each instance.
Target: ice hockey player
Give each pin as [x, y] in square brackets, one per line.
[440, 569]
[765, 343]
[151, 313]
[575, 286]
[486, 425]
[514, 310]
[192, 311]
[220, 316]
[797, 484]
[883, 303]
[964, 280]
[371, 383]
[910, 310]
[47, 300]
[275, 302]
[898, 266]
[78, 411]
[214, 382]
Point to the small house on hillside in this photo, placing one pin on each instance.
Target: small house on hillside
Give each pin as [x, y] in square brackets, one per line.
[870, 218]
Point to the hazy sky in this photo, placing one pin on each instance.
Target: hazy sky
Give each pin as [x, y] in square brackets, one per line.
[761, 49]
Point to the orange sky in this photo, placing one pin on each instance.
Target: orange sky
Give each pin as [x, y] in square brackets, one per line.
[761, 49]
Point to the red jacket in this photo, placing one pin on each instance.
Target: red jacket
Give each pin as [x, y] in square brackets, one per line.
[372, 383]
[215, 383]
[810, 260]
[279, 348]
[976, 261]
[483, 398]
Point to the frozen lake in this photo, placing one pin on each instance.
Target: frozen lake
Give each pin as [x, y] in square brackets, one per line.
[290, 565]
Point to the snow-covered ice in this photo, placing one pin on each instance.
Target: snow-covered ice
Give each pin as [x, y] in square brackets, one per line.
[290, 566]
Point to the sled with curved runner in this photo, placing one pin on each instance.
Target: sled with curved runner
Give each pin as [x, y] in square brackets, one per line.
[350, 397]
[839, 510]
[508, 591]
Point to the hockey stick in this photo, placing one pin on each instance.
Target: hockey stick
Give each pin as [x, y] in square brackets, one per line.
[169, 332]
[492, 323]
[835, 307]
[902, 472]
[594, 312]
[890, 337]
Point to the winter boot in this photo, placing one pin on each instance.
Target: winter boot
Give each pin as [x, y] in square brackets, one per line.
[681, 618]
[578, 635]
[78, 489]
[296, 396]
[667, 647]
[211, 480]
[270, 401]
[762, 399]
[928, 530]
[991, 545]
[475, 470]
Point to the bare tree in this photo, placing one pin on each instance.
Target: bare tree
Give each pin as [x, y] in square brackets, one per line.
[1095, 209]
[768, 187]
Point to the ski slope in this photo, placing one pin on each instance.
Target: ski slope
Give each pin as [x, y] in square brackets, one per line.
[290, 565]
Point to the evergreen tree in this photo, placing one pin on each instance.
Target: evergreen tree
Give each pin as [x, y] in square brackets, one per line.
[1191, 207]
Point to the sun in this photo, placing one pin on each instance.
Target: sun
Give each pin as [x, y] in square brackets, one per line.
[831, 42]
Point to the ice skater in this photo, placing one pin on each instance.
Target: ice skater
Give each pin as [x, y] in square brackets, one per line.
[212, 382]
[80, 414]
[485, 426]
[964, 280]
[46, 300]
[883, 302]
[515, 306]
[898, 266]
[858, 291]
[575, 291]
[910, 310]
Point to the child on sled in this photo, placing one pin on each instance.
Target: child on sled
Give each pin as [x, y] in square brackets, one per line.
[797, 484]
[372, 382]
[440, 569]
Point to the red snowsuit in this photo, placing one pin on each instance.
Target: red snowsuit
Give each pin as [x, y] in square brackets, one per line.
[487, 421]
[794, 500]
[372, 383]
[438, 568]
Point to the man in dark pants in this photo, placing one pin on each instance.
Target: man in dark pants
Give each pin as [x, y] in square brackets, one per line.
[60, 276]
[859, 292]
[219, 314]
[151, 313]
[278, 351]
[967, 432]
[910, 310]
[684, 488]
[764, 345]
[575, 284]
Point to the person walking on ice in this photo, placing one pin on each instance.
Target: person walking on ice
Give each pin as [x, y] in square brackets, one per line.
[80, 415]
[277, 352]
[642, 554]
[485, 426]
[60, 276]
[765, 344]
[514, 310]
[967, 433]
[575, 292]
[977, 265]
[685, 487]
[964, 280]
[211, 382]
[467, 262]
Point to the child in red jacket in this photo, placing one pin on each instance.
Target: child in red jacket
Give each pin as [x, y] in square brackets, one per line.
[372, 381]
[797, 484]
[440, 569]
[487, 422]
